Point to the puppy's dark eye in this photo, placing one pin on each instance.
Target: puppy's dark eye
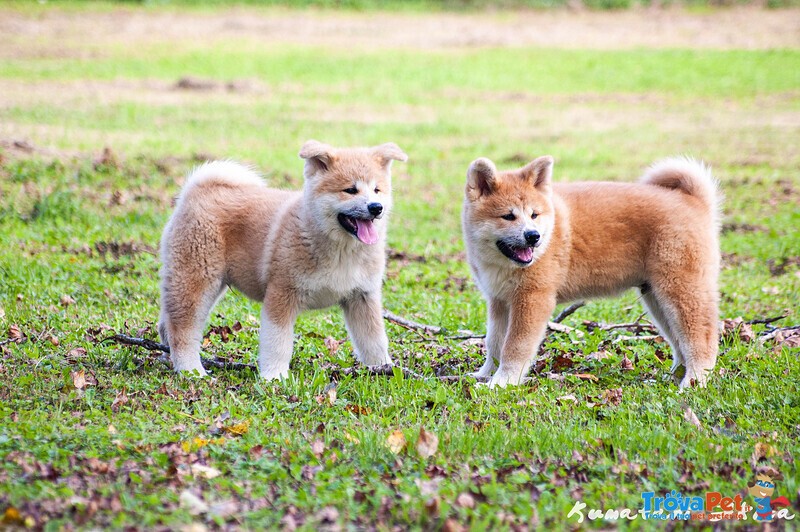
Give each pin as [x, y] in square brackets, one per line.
[534, 215]
[377, 191]
[510, 217]
[351, 190]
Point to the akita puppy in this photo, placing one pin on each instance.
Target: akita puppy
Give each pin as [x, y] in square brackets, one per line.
[532, 244]
[292, 250]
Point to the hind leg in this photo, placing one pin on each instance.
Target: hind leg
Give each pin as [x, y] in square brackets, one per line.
[659, 316]
[690, 309]
[184, 314]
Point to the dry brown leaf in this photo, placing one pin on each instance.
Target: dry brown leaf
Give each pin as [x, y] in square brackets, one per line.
[451, 525]
[332, 344]
[465, 500]
[566, 399]
[192, 503]
[120, 400]
[358, 409]
[199, 470]
[78, 379]
[67, 300]
[78, 352]
[689, 415]
[396, 441]
[598, 355]
[612, 396]
[762, 450]
[15, 334]
[586, 376]
[737, 328]
[318, 448]
[627, 364]
[427, 443]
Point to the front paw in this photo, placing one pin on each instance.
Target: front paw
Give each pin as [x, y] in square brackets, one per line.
[374, 359]
[484, 372]
[504, 377]
[275, 374]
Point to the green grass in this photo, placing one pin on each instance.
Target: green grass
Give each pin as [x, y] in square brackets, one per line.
[120, 452]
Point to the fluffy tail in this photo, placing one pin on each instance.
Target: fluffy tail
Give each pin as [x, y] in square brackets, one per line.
[688, 175]
[222, 172]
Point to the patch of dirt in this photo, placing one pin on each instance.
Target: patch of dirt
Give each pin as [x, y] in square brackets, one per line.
[61, 33]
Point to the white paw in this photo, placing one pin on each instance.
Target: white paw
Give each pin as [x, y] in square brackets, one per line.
[503, 378]
[483, 373]
[274, 374]
[698, 380]
[375, 359]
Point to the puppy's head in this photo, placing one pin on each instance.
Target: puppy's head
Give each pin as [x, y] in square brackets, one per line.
[508, 216]
[349, 190]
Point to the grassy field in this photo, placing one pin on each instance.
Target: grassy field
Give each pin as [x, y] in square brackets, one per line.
[96, 135]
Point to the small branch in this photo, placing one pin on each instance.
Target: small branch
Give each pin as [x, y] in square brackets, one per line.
[568, 311]
[764, 338]
[644, 338]
[765, 321]
[150, 345]
[413, 325]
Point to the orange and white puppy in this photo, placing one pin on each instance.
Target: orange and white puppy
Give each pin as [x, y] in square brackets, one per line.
[532, 244]
[293, 250]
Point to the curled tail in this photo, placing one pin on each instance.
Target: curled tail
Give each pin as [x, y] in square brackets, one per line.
[689, 176]
[222, 172]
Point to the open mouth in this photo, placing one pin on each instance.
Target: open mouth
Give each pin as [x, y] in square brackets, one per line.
[362, 229]
[521, 255]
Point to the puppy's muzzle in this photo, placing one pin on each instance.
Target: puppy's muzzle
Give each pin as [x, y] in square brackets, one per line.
[532, 237]
[375, 209]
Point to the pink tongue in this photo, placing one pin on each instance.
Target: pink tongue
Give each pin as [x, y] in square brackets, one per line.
[524, 255]
[365, 230]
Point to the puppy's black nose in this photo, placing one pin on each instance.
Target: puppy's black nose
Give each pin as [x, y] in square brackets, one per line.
[375, 209]
[532, 237]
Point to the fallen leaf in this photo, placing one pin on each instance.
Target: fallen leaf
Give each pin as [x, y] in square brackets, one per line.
[465, 500]
[66, 300]
[738, 328]
[762, 450]
[332, 344]
[566, 399]
[192, 503]
[198, 443]
[358, 409]
[626, 365]
[427, 443]
[318, 448]
[689, 415]
[78, 352]
[586, 376]
[119, 400]
[328, 515]
[451, 525]
[112, 429]
[78, 379]
[612, 396]
[15, 334]
[396, 441]
[199, 470]
[53, 340]
[256, 451]
[238, 429]
[223, 509]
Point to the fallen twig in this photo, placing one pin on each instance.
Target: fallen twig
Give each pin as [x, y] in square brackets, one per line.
[386, 370]
[774, 332]
[568, 311]
[413, 325]
[151, 345]
[765, 321]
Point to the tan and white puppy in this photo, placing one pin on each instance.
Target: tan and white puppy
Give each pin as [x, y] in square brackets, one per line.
[293, 250]
[532, 244]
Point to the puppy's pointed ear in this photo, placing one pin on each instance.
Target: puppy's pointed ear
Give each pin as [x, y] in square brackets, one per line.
[319, 156]
[481, 178]
[388, 152]
[539, 171]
